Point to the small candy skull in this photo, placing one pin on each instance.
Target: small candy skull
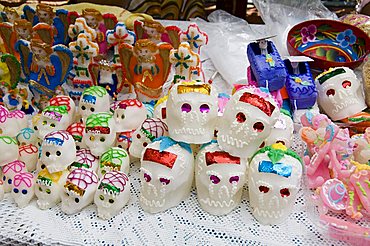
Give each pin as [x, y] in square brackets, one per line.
[9, 150]
[129, 114]
[167, 169]
[77, 131]
[282, 132]
[219, 179]
[29, 155]
[61, 100]
[124, 140]
[53, 118]
[114, 159]
[58, 151]
[112, 195]
[94, 99]
[27, 136]
[85, 159]
[23, 189]
[8, 123]
[9, 171]
[79, 190]
[160, 109]
[149, 130]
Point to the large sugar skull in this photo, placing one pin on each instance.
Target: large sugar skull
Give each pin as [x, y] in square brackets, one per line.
[149, 130]
[23, 189]
[340, 93]
[8, 123]
[77, 130]
[247, 121]
[129, 114]
[61, 100]
[192, 112]
[167, 169]
[9, 150]
[160, 109]
[53, 118]
[29, 154]
[9, 171]
[79, 190]
[219, 179]
[274, 179]
[100, 133]
[282, 132]
[114, 159]
[85, 159]
[112, 195]
[27, 136]
[94, 99]
[58, 151]
[49, 188]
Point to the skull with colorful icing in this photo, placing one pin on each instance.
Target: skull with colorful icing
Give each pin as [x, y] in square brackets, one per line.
[100, 133]
[167, 169]
[27, 136]
[9, 150]
[58, 151]
[9, 171]
[85, 159]
[79, 190]
[282, 132]
[274, 178]
[219, 179]
[112, 195]
[94, 99]
[53, 118]
[340, 93]
[114, 159]
[77, 131]
[160, 109]
[9, 125]
[149, 130]
[61, 100]
[23, 189]
[29, 154]
[49, 188]
[129, 114]
[247, 121]
[192, 112]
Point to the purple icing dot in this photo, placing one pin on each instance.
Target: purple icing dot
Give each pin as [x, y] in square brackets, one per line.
[164, 181]
[204, 108]
[214, 179]
[234, 179]
[147, 177]
[186, 107]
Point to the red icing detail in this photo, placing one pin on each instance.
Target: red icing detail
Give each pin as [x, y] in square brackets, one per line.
[129, 103]
[26, 178]
[28, 149]
[82, 178]
[116, 179]
[164, 158]
[164, 113]
[155, 126]
[76, 129]
[221, 157]
[257, 101]
[14, 166]
[61, 101]
[63, 135]
[98, 129]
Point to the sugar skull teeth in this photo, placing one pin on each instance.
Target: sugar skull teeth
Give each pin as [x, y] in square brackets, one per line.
[268, 214]
[152, 203]
[238, 143]
[218, 204]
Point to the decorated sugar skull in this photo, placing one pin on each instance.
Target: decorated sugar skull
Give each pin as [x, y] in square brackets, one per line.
[94, 99]
[160, 109]
[247, 121]
[167, 169]
[9, 171]
[9, 150]
[61, 100]
[85, 159]
[53, 118]
[29, 155]
[114, 159]
[192, 112]
[49, 188]
[23, 189]
[112, 195]
[27, 136]
[129, 114]
[124, 140]
[8, 123]
[274, 178]
[100, 133]
[58, 151]
[219, 179]
[20, 117]
[149, 130]
[340, 93]
[79, 190]
[77, 130]
[282, 132]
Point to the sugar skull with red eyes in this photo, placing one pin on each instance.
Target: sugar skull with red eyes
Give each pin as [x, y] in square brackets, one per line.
[274, 178]
[247, 121]
[219, 179]
[167, 170]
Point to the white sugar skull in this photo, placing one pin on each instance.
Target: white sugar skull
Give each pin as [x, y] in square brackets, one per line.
[247, 121]
[53, 118]
[8, 123]
[27, 136]
[167, 169]
[219, 179]
[112, 195]
[114, 159]
[85, 159]
[9, 150]
[29, 154]
[79, 190]
[149, 130]
[340, 93]
[9, 171]
[58, 151]
[160, 109]
[20, 117]
[49, 188]
[62, 100]
[94, 99]
[282, 132]
[77, 130]
[274, 179]
[23, 189]
[129, 114]
[124, 140]
[192, 112]
[100, 133]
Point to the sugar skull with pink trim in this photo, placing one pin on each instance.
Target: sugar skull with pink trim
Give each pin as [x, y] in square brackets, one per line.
[9, 171]
[29, 155]
[129, 114]
[23, 189]
[9, 125]
[114, 159]
[85, 159]
[53, 118]
[9, 150]
[94, 99]
[77, 130]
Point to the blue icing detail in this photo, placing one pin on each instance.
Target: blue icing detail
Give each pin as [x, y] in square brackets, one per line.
[56, 141]
[280, 169]
[309, 116]
[331, 129]
[167, 142]
[223, 95]
[209, 143]
[89, 98]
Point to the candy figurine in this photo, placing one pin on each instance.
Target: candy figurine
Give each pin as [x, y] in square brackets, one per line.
[167, 169]
[85, 159]
[93, 100]
[195, 37]
[9, 14]
[11, 32]
[9, 171]
[114, 159]
[77, 131]
[340, 93]
[219, 179]
[120, 35]
[282, 131]
[160, 110]
[274, 178]
[247, 121]
[53, 118]
[27, 136]
[192, 112]
[58, 151]
[79, 190]
[112, 195]
[29, 155]
[49, 188]
[149, 130]
[129, 114]
[10, 70]
[23, 189]
[9, 150]
[366, 77]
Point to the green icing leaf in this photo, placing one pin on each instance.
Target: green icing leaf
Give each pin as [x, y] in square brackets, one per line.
[275, 155]
[99, 119]
[95, 90]
[59, 109]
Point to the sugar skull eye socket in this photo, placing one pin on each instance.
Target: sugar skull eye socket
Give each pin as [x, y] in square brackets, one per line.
[138, 136]
[40, 189]
[24, 192]
[92, 138]
[52, 125]
[346, 84]
[83, 107]
[258, 126]
[280, 141]
[111, 201]
[122, 116]
[77, 200]
[35, 128]
[214, 179]
[44, 122]
[48, 191]
[147, 177]
[101, 197]
[264, 189]
[47, 154]
[15, 190]
[4, 178]
[145, 144]
[186, 107]
[77, 147]
[234, 179]
[240, 117]
[204, 108]
[102, 139]
[58, 153]
[164, 181]
[330, 92]
[92, 109]
[285, 192]
[10, 181]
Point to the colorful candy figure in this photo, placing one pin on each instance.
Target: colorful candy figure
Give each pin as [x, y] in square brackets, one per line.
[62, 100]
[120, 35]
[332, 195]
[9, 171]
[195, 37]
[114, 159]
[9, 14]
[129, 114]
[23, 189]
